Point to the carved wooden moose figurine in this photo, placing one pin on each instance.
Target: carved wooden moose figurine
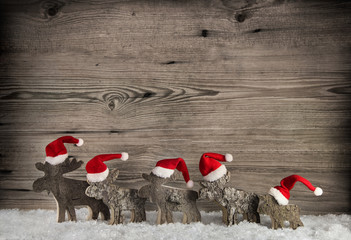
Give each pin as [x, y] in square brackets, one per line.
[232, 201]
[68, 192]
[118, 199]
[103, 186]
[280, 213]
[276, 203]
[170, 199]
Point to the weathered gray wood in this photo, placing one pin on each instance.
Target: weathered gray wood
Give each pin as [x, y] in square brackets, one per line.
[68, 193]
[170, 199]
[232, 201]
[169, 78]
[279, 213]
[118, 199]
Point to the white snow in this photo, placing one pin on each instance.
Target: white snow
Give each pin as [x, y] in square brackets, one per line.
[41, 224]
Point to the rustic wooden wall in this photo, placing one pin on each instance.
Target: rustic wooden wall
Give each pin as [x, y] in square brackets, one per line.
[265, 80]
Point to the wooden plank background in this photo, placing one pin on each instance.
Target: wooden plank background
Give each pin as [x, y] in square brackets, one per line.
[265, 80]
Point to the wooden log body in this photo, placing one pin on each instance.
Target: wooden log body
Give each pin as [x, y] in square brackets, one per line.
[68, 193]
[170, 199]
[232, 201]
[278, 213]
[118, 199]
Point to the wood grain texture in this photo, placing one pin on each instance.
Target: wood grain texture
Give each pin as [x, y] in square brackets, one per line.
[265, 80]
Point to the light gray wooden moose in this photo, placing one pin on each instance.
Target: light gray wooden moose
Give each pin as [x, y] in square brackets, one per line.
[170, 199]
[279, 213]
[231, 200]
[118, 199]
[67, 192]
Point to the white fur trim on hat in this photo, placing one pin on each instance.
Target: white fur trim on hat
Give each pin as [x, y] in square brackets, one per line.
[56, 160]
[80, 142]
[228, 157]
[125, 156]
[97, 177]
[278, 196]
[190, 184]
[162, 172]
[216, 174]
[318, 191]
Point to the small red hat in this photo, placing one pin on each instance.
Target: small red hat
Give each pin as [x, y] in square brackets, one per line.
[210, 168]
[282, 193]
[56, 151]
[165, 168]
[97, 171]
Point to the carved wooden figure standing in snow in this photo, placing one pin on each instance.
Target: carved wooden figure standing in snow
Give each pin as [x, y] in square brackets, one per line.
[118, 199]
[103, 186]
[276, 203]
[170, 199]
[280, 213]
[67, 192]
[231, 200]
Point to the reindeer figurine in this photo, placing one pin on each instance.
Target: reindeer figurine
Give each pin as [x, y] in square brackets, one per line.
[231, 200]
[67, 192]
[103, 186]
[275, 203]
[170, 199]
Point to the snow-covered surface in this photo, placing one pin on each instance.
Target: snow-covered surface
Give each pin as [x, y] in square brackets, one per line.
[41, 224]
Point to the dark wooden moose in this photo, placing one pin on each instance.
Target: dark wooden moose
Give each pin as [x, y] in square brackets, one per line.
[67, 192]
[169, 199]
[118, 199]
[275, 204]
[231, 200]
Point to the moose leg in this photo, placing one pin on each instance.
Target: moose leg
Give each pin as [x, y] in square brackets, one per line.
[61, 210]
[274, 223]
[169, 216]
[105, 211]
[112, 216]
[256, 217]
[71, 213]
[162, 215]
[224, 215]
[185, 218]
[90, 214]
[159, 216]
[119, 216]
[246, 217]
[139, 215]
[93, 213]
[230, 212]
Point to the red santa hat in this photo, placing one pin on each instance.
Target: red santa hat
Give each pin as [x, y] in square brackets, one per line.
[282, 193]
[97, 171]
[165, 168]
[210, 168]
[56, 151]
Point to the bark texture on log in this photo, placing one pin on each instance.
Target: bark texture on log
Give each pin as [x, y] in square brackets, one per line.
[118, 199]
[278, 213]
[68, 192]
[170, 199]
[232, 201]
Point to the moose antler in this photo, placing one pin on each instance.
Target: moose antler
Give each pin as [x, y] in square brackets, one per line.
[70, 164]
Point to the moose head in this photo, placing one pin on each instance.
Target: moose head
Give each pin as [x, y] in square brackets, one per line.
[100, 190]
[53, 173]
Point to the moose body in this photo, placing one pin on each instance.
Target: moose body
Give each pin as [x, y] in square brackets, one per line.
[118, 199]
[278, 213]
[170, 199]
[231, 200]
[68, 192]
